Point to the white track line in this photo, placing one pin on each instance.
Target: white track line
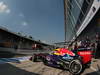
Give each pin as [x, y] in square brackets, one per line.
[20, 59]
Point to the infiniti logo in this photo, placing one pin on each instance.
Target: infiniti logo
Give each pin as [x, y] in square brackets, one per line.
[85, 53]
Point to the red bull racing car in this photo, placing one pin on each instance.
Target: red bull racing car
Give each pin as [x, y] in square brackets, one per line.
[76, 64]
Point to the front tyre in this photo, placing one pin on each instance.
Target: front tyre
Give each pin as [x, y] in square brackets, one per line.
[75, 67]
[35, 59]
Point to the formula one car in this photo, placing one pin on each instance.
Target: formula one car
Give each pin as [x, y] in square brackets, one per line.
[75, 64]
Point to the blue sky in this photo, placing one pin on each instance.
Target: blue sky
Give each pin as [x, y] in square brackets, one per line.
[42, 19]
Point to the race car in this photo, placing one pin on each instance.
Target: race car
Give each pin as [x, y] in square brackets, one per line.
[76, 64]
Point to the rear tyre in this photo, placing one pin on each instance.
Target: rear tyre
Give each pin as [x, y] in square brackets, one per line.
[75, 67]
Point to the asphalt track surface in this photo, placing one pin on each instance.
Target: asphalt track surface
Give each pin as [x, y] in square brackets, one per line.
[38, 68]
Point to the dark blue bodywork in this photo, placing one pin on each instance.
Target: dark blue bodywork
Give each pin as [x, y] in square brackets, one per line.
[55, 60]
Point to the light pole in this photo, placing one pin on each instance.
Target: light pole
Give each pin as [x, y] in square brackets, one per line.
[65, 19]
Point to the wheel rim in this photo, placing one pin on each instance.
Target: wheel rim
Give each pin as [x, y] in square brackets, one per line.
[75, 67]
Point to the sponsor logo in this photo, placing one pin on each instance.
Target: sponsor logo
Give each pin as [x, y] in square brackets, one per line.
[85, 53]
[48, 58]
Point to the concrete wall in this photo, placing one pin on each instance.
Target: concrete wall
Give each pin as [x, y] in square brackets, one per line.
[9, 40]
